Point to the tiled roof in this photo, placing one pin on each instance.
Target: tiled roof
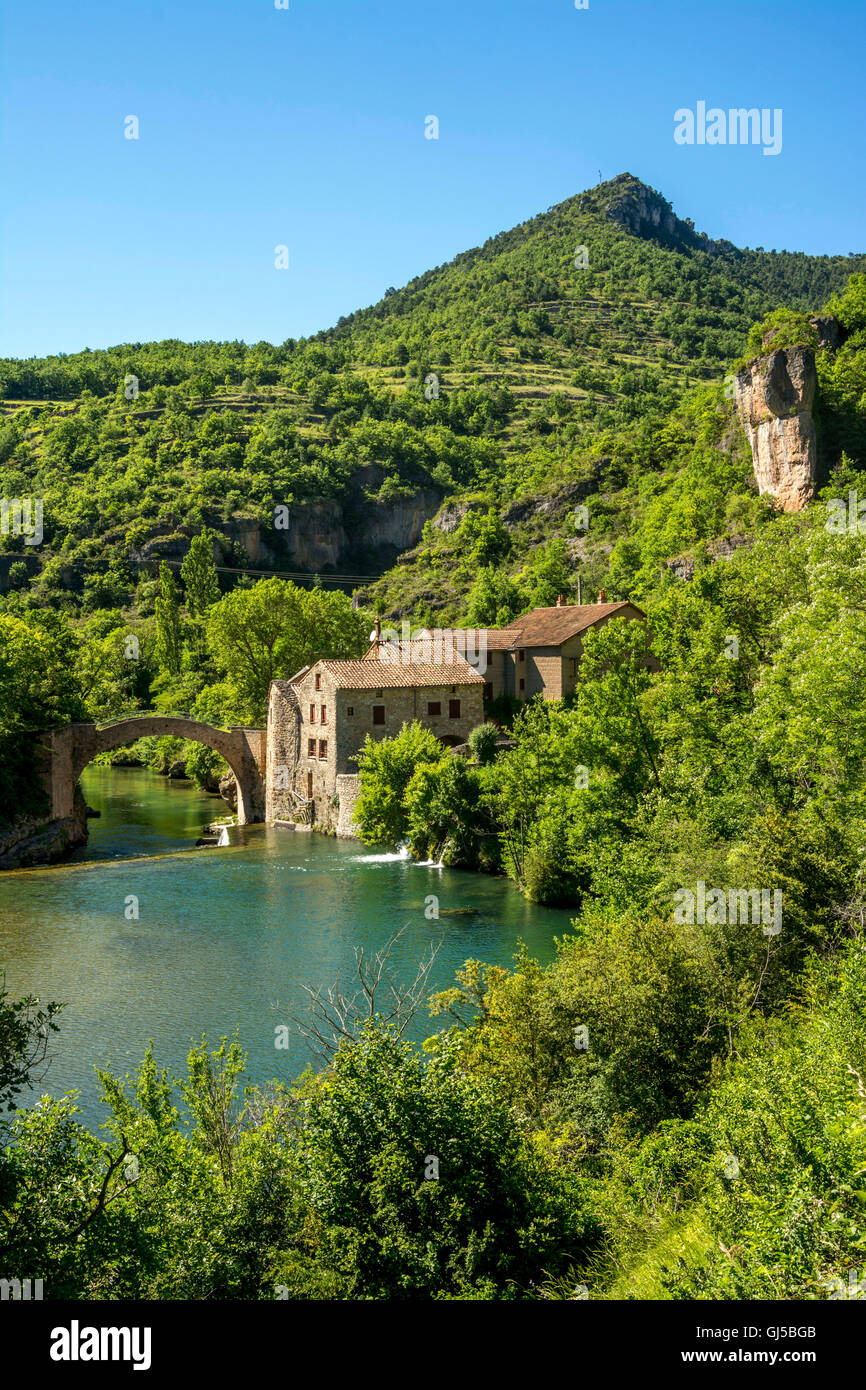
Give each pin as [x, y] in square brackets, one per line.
[543, 627]
[502, 639]
[376, 675]
[442, 639]
[549, 627]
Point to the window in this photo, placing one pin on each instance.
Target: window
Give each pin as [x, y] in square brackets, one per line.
[454, 690]
[324, 714]
[311, 748]
[318, 682]
[378, 694]
[378, 714]
[312, 714]
[350, 711]
[434, 707]
[323, 748]
[573, 660]
[521, 655]
[488, 690]
[522, 682]
[453, 709]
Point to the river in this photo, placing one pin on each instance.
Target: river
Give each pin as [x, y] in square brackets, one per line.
[225, 938]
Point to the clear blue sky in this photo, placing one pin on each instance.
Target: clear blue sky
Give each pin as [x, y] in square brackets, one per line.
[305, 127]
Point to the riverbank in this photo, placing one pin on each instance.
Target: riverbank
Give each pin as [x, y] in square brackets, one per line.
[33, 840]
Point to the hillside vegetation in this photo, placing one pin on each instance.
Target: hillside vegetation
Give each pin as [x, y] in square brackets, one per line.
[674, 1107]
[551, 378]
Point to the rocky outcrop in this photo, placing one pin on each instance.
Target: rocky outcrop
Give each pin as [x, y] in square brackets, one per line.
[451, 514]
[774, 396]
[830, 332]
[683, 566]
[359, 531]
[30, 562]
[553, 506]
[228, 790]
[645, 213]
[32, 841]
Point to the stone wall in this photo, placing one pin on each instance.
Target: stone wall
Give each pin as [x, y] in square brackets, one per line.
[402, 705]
[348, 790]
[543, 673]
[496, 675]
[283, 748]
[316, 775]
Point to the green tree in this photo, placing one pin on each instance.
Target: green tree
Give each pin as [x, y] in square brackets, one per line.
[38, 684]
[495, 598]
[488, 537]
[272, 629]
[199, 575]
[447, 817]
[549, 574]
[431, 1189]
[25, 1026]
[169, 624]
[386, 767]
[482, 741]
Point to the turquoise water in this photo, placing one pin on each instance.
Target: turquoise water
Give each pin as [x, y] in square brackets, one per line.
[225, 938]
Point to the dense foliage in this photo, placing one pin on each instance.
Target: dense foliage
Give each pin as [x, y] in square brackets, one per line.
[674, 1107]
[194, 652]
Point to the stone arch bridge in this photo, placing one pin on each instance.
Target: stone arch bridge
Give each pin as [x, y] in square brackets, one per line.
[72, 748]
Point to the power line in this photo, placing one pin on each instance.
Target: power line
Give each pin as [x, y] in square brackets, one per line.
[221, 569]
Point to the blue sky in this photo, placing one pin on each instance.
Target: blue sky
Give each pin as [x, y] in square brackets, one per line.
[304, 127]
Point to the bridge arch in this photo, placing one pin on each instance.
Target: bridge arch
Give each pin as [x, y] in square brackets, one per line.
[75, 746]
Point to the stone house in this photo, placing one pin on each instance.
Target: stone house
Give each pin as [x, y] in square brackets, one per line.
[546, 647]
[538, 654]
[318, 721]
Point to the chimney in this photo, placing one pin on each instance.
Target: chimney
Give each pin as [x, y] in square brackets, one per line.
[377, 628]
[559, 601]
[601, 595]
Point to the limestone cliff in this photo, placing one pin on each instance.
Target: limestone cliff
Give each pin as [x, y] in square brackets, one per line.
[359, 531]
[774, 396]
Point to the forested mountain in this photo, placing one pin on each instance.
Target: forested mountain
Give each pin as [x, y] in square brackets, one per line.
[562, 360]
[673, 1107]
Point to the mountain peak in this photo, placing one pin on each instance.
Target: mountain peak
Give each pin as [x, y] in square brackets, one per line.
[645, 212]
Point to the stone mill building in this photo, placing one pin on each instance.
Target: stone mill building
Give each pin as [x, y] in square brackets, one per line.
[318, 721]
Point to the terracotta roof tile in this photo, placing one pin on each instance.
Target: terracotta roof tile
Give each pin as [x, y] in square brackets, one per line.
[549, 627]
[543, 627]
[377, 675]
[441, 639]
[502, 639]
